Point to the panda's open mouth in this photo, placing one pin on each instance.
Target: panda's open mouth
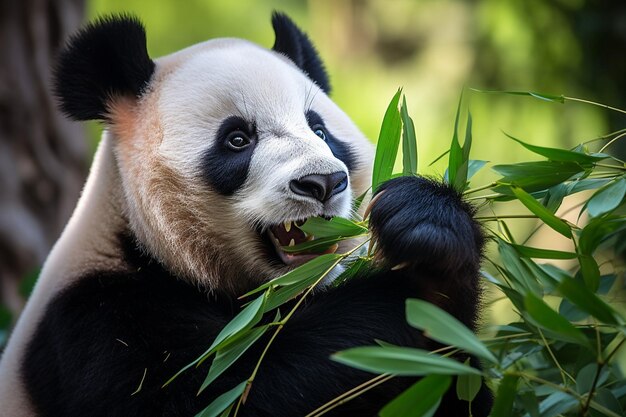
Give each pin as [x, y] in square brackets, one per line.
[289, 234]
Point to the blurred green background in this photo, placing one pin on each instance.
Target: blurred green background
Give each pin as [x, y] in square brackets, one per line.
[433, 48]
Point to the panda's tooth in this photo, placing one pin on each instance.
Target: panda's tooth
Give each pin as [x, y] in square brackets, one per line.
[288, 226]
[292, 242]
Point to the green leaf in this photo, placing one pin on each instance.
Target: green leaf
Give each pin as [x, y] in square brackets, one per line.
[439, 325]
[312, 269]
[557, 404]
[420, 399]
[541, 96]
[334, 227]
[401, 361]
[467, 386]
[355, 268]
[598, 230]
[590, 272]
[356, 204]
[409, 142]
[474, 166]
[587, 301]
[542, 212]
[535, 176]
[388, 142]
[439, 157]
[246, 318]
[530, 252]
[561, 155]
[226, 357]
[507, 390]
[541, 315]
[222, 402]
[458, 161]
[607, 198]
[317, 245]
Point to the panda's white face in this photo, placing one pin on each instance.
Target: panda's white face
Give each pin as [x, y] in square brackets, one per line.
[238, 145]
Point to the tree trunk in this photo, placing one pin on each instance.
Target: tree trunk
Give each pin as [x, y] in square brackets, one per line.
[43, 157]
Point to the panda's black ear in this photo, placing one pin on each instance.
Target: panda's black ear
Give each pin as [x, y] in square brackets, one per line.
[295, 44]
[104, 60]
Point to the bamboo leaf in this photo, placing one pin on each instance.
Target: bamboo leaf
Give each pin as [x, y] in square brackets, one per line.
[507, 391]
[420, 400]
[312, 269]
[401, 361]
[467, 386]
[587, 301]
[336, 226]
[317, 245]
[607, 198]
[222, 402]
[409, 142]
[442, 327]
[246, 319]
[540, 314]
[542, 212]
[535, 176]
[226, 357]
[388, 142]
[541, 96]
[474, 166]
[530, 252]
[455, 160]
[561, 155]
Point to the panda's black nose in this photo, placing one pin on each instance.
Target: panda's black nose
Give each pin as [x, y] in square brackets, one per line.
[320, 187]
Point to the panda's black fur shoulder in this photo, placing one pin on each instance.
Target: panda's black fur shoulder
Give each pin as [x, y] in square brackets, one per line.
[107, 345]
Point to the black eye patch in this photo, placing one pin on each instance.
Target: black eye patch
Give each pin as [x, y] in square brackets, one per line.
[225, 166]
[338, 148]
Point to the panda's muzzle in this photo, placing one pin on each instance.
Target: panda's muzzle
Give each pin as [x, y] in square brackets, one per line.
[321, 187]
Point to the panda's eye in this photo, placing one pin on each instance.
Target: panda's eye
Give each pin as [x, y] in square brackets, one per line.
[238, 141]
[319, 131]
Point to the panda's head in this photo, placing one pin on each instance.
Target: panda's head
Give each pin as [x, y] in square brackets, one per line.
[220, 148]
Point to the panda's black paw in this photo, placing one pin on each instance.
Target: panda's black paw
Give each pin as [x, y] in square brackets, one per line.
[422, 223]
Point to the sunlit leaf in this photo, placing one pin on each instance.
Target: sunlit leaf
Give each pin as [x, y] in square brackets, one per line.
[226, 357]
[317, 245]
[542, 96]
[561, 155]
[246, 319]
[439, 325]
[420, 400]
[312, 269]
[530, 252]
[336, 226]
[388, 142]
[401, 361]
[542, 212]
[409, 142]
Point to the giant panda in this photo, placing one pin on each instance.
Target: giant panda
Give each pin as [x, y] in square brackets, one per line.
[208, 156]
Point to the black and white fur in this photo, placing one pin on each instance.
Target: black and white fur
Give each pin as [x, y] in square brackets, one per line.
[169, 230]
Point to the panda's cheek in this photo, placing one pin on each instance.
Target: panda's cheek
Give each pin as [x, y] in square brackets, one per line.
[224, 170]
